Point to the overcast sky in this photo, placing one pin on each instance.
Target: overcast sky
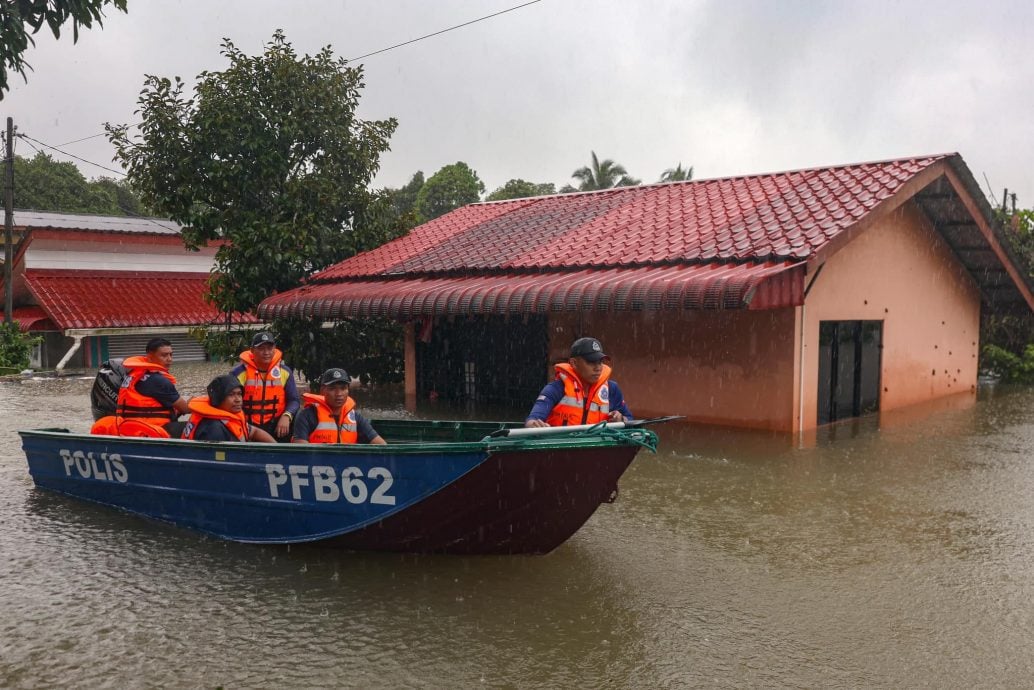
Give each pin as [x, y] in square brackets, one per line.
[731, 87]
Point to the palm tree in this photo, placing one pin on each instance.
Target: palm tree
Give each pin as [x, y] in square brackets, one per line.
[677, 174]
[603, 175]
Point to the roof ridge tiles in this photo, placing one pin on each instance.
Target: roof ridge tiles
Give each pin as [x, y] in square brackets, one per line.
[770, 174]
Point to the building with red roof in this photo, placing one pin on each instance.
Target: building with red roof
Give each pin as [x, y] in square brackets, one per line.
[778, 301]
[97, 287]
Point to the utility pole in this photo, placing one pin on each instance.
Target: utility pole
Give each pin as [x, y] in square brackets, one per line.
[9, 222]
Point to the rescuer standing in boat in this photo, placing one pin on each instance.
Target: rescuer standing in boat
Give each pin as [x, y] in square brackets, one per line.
[331, 417]
[219, 416]
[582, 392]
[271, 397]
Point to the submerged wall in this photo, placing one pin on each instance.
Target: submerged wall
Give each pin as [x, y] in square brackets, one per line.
[726, 367]
[900, 271]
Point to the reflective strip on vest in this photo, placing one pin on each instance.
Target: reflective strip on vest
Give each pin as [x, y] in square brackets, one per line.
[331, 426]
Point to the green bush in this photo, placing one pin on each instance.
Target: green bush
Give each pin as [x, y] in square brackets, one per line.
[1010, 367]
[15, 346]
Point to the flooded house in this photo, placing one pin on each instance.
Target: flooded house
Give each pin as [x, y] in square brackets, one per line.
[95, 287]
[779, 301]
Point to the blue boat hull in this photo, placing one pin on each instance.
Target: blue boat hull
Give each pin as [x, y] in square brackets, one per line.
[427, 497]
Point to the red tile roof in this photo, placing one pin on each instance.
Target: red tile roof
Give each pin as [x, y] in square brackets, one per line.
[780, 216]
[738, 242]
[31, 318]
[122, 299]
[703, 286]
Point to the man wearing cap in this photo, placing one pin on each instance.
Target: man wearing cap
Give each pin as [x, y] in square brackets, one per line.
[271, 398]
[331, 417]
[582, 392]
[219, 416]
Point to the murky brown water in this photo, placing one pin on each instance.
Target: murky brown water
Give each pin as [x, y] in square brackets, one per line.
[893, 557]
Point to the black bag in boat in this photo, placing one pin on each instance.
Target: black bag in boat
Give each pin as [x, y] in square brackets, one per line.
[104, 394]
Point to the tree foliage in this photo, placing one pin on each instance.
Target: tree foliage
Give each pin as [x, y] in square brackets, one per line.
[45, 184]
[603, 174]
[268, 154]
[402, 202]
[451, 187]
[677, 174]
[15, 346]
[1012, 368]
[520, 189]
[17, 17]
[1008, 339]
[370, 349]
[125, 201]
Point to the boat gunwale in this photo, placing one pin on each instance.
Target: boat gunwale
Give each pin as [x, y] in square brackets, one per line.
[488, 444]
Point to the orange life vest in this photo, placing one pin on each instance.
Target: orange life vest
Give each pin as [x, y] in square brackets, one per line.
[264, 396]
[133, 405]
[328, 429]
[577, 407]
[110, 426]
[201, 409]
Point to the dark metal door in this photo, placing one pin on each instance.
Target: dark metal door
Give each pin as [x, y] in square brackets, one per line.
[850, 358]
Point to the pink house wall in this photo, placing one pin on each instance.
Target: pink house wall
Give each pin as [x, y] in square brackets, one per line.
[902, 272]
[730, 367]
[742, 368]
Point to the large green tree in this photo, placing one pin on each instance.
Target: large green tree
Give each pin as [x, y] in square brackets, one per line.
[520, 189]
[400, 208]
[18, 17]
[451, 187]
[603, 175]
[267, 154]
[125, 200]
[403, 199]
[45, 184]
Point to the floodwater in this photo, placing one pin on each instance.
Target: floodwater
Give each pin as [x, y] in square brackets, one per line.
[893, 556]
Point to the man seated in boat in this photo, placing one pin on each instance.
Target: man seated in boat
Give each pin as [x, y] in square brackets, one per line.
[331, 417]
[582, 393]
[219, 416]
[148, 402]
[271, 397]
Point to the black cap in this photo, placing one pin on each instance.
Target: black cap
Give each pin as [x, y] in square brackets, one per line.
[588, 349]
[335, 375]
[220, 387]
[263, 337]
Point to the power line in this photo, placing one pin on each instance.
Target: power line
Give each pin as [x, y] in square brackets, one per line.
[437, 33]
[29, 140]
[355, 59]
[94, 136]
[71, 155]
[76, 141]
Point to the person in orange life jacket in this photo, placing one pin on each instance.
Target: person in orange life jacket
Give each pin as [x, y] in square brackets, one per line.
[219, 416]
[148, 392]
[582, 392]
[271, 398]
[331, 417]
